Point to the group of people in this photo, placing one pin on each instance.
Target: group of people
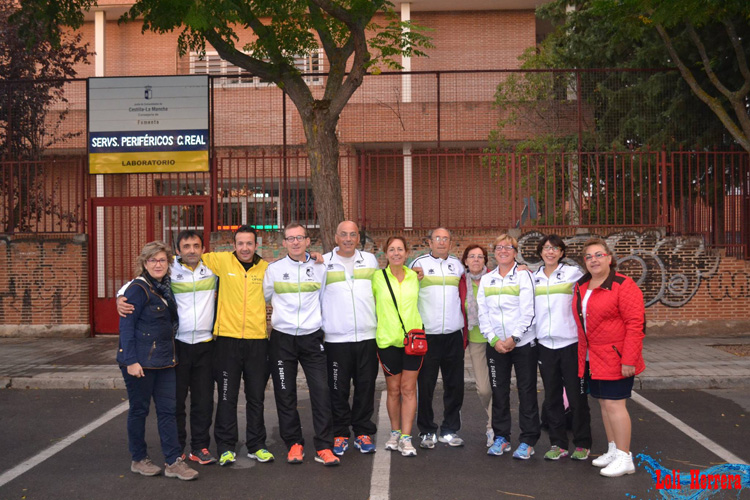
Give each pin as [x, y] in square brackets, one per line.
[339, 315]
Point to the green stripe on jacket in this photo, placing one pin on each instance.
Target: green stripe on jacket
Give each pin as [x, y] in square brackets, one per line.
[198, 286]
[562, 288]
[438, 280]
[505, 290]
[281, 287]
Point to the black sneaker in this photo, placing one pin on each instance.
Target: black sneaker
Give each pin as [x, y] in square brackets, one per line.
[203, 456]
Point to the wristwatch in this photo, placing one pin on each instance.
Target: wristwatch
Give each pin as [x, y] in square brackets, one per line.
[516, 339]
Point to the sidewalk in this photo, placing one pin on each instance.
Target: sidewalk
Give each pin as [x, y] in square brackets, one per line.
[671, 363]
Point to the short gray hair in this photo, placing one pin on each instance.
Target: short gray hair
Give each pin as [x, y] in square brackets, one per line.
[429, 235]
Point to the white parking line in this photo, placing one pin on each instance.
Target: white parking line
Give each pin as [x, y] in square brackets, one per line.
[40, 457]
[380, 482]
[711, 446]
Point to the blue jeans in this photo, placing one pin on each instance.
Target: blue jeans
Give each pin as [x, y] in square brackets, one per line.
[162, 386]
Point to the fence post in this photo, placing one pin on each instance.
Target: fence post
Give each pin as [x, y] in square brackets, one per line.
[361, 190]
[514, 212]
[437, 75]
[11, 219]
[664, 205]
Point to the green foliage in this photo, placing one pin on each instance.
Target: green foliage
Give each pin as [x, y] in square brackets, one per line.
[33, 108]
[656, 108]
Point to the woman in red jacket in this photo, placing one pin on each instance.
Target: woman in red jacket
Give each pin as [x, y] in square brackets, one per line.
[610, 314]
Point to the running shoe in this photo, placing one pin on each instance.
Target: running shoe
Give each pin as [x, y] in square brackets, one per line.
[262, 455]
[500, 446]
[296, 454]
[327, 458]
[364, 444]
[523, 452]
[228, 457]
[340, 445]
[203, 456]
[555, 453]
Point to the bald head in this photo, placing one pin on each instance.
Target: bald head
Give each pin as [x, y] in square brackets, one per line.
[347, 238]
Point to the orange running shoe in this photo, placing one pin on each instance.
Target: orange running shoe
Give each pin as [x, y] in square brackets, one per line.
[296, 454]
[326, 457]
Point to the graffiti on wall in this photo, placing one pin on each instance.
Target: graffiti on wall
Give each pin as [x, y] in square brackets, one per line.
[669, 270]
[729, 286]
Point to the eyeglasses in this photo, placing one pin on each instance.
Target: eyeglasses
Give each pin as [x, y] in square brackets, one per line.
[441, 239]
[299, 237]
[475, 257]
[351, 235]
[504, 247]
[597, 256]
[547, 248]
[153, 262]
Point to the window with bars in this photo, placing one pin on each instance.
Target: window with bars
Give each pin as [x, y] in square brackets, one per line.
[212, 64]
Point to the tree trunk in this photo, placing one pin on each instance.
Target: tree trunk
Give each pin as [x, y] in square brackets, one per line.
[323, 154]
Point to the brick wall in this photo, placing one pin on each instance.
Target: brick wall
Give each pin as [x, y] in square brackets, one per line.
[44, 286]
[688, 289]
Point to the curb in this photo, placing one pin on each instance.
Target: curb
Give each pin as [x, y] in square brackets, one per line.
[690, 383]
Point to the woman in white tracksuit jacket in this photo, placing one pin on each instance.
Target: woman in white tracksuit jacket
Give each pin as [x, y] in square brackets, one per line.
[506, 312]
[557, 334]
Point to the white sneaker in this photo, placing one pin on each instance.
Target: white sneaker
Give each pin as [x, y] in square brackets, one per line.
[451, 440]
[429, 441]
[490, 437]
[392, 443]
[607, 458]
[621, 465]
[406, 448]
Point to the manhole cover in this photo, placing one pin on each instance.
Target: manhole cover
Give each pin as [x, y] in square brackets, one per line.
[736, 349]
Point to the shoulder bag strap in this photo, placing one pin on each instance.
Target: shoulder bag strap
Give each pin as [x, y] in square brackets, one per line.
[393, 296]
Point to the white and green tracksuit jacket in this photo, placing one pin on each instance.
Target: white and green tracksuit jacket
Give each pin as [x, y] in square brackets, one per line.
[439, 303]
[506, 306]
[348, 301]
[195, 294]
[554, 322]
[294, 290]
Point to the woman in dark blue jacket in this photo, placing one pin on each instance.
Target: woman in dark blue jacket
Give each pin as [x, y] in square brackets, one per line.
[147, 359]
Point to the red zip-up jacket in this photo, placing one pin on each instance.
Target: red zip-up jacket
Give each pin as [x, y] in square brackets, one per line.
[615, 326]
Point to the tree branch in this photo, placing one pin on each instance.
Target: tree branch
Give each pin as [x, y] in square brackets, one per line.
[735, 98]
[711, 102]
[707, 62]
[739, 52]
[337, 11]
[318, 22]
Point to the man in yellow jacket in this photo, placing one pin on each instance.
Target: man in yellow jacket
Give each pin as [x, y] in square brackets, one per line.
[241, 350]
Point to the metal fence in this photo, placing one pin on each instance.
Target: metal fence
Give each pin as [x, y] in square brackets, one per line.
[465, 149]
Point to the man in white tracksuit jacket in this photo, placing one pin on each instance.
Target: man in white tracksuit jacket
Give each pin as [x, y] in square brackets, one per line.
[440, 308]
[349, 323]
[294, 285]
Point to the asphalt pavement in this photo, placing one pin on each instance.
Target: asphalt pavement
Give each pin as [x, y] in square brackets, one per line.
[69, 441]
[89, 363]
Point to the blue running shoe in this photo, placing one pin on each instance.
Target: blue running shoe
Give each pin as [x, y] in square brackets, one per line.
[364, 444]
[523, 452]
[340, 445]
[500, 446]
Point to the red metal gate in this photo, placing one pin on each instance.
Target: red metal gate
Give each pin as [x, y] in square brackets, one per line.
[118, 229]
